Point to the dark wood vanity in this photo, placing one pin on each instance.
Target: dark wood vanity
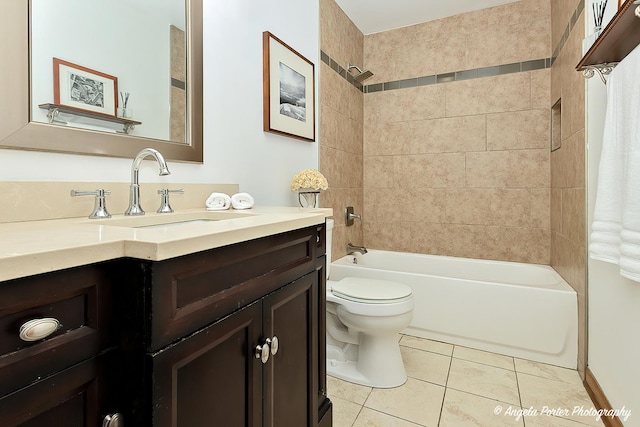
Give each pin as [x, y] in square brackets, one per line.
[231, 336]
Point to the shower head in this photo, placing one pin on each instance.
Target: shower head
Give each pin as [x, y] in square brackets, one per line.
[362, 75]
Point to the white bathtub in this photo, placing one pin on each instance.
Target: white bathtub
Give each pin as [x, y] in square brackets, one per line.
[521, 310]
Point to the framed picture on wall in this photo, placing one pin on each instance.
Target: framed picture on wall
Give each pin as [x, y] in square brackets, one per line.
[83, 88]
[288, 90]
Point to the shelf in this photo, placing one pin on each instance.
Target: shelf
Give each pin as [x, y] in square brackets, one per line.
[617, 40]
[56, 109]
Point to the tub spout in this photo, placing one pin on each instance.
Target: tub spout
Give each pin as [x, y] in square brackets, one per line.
[351, 249]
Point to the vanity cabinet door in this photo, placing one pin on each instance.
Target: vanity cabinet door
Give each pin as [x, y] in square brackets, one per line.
[78, 396]
[291, 374]
[211, 378]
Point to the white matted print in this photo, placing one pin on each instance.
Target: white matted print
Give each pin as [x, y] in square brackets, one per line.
[288, 86]
[83, 88]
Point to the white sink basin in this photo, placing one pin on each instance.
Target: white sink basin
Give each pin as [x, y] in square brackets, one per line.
[155, 220]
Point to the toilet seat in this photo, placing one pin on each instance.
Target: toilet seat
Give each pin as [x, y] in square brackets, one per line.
[370, 291]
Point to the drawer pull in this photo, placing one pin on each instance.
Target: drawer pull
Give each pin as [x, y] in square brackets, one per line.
[37, 329]
[114, 420]
[262, 352]
[273, 344]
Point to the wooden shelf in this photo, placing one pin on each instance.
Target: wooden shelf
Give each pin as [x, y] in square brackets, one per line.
[55, 109]
[617, 40]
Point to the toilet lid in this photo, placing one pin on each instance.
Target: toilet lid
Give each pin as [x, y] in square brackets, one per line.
[372, 291]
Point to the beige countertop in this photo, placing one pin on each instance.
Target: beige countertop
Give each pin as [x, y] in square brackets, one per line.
[33, 247]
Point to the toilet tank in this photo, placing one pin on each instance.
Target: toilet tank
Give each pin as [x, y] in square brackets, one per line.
[328, 240]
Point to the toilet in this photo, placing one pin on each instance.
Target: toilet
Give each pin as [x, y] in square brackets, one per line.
[364, 318]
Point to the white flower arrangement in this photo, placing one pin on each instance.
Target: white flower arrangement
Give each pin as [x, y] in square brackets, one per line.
[309, 178]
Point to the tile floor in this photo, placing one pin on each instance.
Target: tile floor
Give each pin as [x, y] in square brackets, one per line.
[454, 386]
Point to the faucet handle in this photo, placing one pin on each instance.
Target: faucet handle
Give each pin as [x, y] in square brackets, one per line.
[165, 207]
[349, 216]
[100, 207]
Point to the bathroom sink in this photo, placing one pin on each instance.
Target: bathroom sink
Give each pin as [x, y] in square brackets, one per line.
[154, 221]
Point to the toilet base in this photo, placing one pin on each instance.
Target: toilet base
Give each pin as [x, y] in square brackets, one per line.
[365, 368]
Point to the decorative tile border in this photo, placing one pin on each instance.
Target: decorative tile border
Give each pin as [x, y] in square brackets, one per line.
[476, 73]
[567, 31]
[341, 71]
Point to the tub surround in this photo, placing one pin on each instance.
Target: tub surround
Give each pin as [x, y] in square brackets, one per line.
[568, 248]
[34, 247]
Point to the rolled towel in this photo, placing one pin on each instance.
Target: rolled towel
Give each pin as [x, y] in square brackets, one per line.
[218, 202]
[242, 201]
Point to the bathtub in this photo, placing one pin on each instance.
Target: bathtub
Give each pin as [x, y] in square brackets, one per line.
[521, 310]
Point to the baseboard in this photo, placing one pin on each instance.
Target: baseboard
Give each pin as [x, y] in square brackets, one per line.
[599, 399]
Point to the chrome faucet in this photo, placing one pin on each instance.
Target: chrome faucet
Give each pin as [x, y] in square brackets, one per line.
[351, 249]
[134, 189]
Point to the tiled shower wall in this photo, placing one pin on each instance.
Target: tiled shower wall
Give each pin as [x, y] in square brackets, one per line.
[457, 163]
[341, 123]
[568, 212]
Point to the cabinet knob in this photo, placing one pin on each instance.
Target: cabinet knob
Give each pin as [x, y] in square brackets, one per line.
[273, 344]
[38, 329]
[262, 352]
[113, 420]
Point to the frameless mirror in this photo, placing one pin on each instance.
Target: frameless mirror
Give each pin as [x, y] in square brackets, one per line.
[108, 77]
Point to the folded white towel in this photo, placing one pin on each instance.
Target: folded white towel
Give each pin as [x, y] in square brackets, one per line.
[218, 202]
[615, 231]
[242, 201]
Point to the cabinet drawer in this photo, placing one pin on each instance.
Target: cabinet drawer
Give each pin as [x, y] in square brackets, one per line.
[190, 292]
[74, 397]
[78, 298]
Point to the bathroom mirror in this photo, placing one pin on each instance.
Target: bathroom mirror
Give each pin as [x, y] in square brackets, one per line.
[27, 78]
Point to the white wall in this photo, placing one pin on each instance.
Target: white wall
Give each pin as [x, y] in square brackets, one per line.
[236, 148]
[614, 301]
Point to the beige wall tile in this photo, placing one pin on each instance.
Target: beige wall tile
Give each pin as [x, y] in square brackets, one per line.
[540, 208]
[352, 170]
[508, 169]
[556, 209]
[447, 135]
[331, 166]
[349, 137]
[488, 206]
[331, 93]
[420, 103]
[561, 11]
[483, 242]
[378, 172]
[387, 138]
[339, 37]
[505, 44]
[411, 205]
[510, 92]
[573, 215]
[328, 126]
[568, 163]
[392, 236]
[541, 89]
[520, 12]
[569, 259]
[429, 170]
[356, 105]
[341, 124]
[518, 130]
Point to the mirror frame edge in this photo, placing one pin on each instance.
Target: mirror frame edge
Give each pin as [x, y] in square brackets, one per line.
[18, 132]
